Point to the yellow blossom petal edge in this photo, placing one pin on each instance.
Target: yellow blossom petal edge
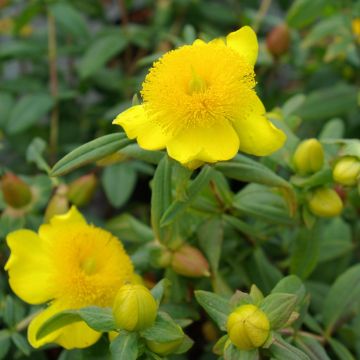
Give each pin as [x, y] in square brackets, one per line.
[200, 104]
[244, 41]
[76, 335]
[29, 267]
[73, 265]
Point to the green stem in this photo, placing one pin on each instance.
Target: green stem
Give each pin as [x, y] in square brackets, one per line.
[264, 7]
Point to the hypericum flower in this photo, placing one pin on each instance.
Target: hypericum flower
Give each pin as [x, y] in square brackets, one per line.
[71, 265]
[308, 157]
[325, 202]
[347, 171]
[199, 103]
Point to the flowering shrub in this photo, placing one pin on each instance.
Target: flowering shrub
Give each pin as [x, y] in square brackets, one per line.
[218, 219]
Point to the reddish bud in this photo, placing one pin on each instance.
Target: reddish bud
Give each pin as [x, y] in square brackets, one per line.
[16, 192]
[82, 190]
[189, 261]
[278, 40]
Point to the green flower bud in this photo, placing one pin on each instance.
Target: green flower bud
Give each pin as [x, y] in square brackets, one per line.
[308, 157]
[134, 308]
[347, 171]
[82, 189]
[248, 327]
[325, 202]
[165, 348]
[58, 204]
[16, 192]
[189, 261]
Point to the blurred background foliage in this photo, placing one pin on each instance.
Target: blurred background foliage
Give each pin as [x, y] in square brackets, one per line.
[69, 67]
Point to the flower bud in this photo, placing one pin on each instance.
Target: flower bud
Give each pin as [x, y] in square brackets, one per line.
[325, 202]
[355, 26]
[134, 308]
[82, 190]
[248, 327]
[278, 40]
[58, 204]
[165, 348]
[189, 261]
[308, 157]
[347, 171]
[16, 192]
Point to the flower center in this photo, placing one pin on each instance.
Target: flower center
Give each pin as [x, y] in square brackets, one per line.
[89, 266]
[197, 86]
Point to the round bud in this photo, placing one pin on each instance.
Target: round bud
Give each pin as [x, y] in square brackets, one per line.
[248, 327]
[308, 157]
[189, 261]
[278, 40]
[81, 190]
[134, 308]
[325, 202]
[16, 192]
[347, 171]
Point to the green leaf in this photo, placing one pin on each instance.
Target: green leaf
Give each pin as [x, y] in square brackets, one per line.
[262, 271]
[34, 153]
[100, 52]
[335, 240]
[6, 105]
[119, 181]
[311, 348]
[264, 203]
[99, 319]
[278, 307]
[305, 253]
[210, 235]
[216, 306]
[282, 350]
[329, 102]
[340, 350]
[70, 20]
[28, 111]
[304, 12]
[342, 298]
[333, 129]
[5, 343]
[125, 346]
[21, 343]
[195, 187]
[243, 168]
[291, 285]
[127, 228]
[135, 151]
[233, 353]
[164, 329]
[319, 178]
[90, 152]
[161, 197]
[158, 290]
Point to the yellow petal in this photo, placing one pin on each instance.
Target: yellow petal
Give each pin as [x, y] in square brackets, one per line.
[72, 216]
[258, 136]
[216, 143]
[137, 125]
[29, 267]
[75, 335]
[244, 42]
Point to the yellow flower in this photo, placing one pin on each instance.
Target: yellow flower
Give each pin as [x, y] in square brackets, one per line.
[200, 104]
[71, 265]
[355, 26]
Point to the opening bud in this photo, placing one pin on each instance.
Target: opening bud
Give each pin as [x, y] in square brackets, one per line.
[134, 308]
[165, 348]
[248, 327]
[189, 261]
[308, 157]
[16, 192]
[325, 202]
[278, 40]
[82, 190]
[347, 171]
